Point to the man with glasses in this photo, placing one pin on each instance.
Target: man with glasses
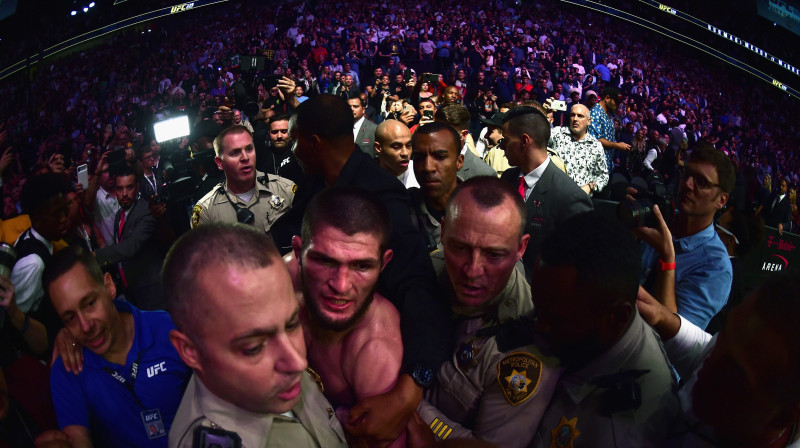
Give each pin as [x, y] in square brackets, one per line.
[152, 180]
[685, 266]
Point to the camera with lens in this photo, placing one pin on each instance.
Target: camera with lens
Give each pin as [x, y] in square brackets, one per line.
[180, 179]
[640, 212]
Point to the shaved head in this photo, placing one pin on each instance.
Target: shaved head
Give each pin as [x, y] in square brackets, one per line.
[393, 146]
[389, 127]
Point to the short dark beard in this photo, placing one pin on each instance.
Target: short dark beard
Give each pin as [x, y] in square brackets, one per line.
[319, 319]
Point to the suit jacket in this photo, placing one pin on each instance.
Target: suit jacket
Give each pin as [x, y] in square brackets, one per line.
[365, 139]
[780, 213]
[555, 198]
[474, 166]
[141, 256]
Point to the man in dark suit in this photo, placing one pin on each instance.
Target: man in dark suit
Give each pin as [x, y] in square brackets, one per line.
[363, 129]
[778, 210]
[551, 196]
[135, 250]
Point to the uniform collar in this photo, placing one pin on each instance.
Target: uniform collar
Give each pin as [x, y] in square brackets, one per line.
[577, 384]
[44, 240]
[253, 428]
[222, 198]
[512, 302]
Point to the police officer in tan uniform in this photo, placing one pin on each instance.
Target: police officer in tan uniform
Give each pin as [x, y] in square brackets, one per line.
[247, 196]
[490, 389]
[251, 385]
[617, 388]
[313, 422]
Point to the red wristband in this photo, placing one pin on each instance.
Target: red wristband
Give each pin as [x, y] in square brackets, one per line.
[666, 266]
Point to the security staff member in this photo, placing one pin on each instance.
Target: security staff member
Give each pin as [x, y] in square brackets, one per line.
[251, 383]
[488, 389]
[246, 195]
[437, 160]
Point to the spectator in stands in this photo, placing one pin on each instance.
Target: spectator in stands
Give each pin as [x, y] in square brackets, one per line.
[778, 210]
[348, 89]
[237, 119]
[582, 154]
[43, 200]
[363, 129]
[602, 124]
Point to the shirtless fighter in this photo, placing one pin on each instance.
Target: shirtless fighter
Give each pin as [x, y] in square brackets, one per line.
[352, 333]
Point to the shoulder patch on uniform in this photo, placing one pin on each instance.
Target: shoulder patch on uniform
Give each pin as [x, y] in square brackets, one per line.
[519, 374]
[294, 188]
[196, 211]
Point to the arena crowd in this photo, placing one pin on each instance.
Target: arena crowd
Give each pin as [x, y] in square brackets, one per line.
[466, 223]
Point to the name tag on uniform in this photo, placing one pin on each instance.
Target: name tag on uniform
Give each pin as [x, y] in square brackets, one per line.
[153, 424]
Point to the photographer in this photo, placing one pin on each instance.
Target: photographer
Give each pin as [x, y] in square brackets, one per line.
[685, 266]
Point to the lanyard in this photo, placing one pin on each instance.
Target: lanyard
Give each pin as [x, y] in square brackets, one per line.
[152, 182]
[125, 383]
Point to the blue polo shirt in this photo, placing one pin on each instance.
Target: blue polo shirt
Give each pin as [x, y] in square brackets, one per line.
[703, 274]
[98, 401]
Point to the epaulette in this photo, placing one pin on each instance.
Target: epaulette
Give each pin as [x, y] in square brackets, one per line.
[510, 334]
[622, 393]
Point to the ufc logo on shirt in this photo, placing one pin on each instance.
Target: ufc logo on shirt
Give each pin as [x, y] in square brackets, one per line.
[155, 369]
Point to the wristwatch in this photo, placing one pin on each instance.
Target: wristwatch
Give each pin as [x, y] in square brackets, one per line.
[423, 376]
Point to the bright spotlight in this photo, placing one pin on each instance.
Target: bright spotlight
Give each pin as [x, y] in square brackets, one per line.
[85, 9]
[73, 13]
[91, 5]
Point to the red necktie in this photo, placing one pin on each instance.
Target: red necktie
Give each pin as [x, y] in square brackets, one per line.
[522, 186]
[119, 240]
[121, 225]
